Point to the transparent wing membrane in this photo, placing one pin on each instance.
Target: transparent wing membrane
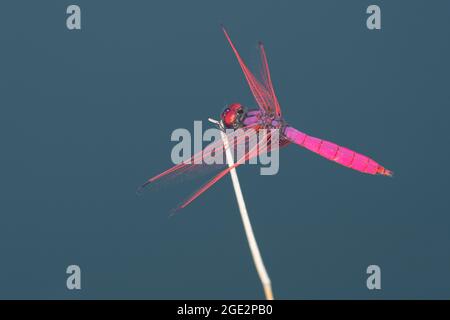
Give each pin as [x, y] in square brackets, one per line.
[262, 90]
[197, 167]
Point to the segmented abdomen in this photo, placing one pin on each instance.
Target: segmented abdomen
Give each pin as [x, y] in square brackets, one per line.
[336, 153]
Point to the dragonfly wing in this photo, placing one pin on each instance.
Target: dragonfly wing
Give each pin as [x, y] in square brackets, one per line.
[193, 165]
[212, 154]
[273, 101]
[203, 162]
[260, 147]
[262, 92]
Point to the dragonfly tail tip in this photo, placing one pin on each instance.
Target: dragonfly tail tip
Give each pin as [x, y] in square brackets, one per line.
[385, 172]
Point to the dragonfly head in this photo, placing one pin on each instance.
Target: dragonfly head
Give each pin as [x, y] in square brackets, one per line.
[233, 116]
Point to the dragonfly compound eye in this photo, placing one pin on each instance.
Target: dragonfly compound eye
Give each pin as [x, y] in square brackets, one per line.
[228, 118]
[233, 116]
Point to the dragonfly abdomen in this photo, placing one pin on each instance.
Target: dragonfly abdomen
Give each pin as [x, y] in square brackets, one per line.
[336, 153]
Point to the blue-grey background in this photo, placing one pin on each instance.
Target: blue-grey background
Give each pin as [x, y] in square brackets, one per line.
[86, 117]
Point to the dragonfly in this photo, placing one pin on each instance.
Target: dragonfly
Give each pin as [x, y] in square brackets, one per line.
[267, 116]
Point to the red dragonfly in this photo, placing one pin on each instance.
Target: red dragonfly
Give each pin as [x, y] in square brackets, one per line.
[267, 116]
